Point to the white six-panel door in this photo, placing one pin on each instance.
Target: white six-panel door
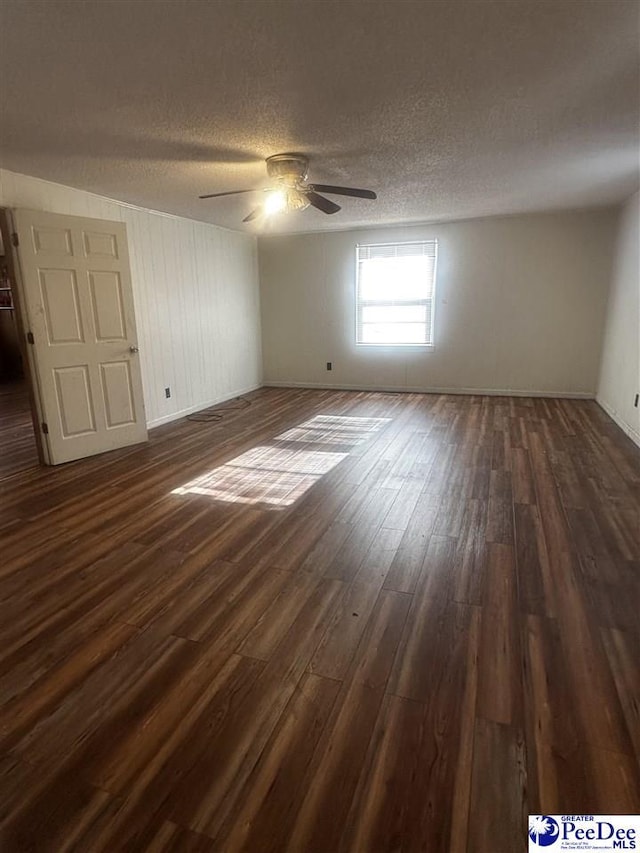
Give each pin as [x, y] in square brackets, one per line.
[78, 297]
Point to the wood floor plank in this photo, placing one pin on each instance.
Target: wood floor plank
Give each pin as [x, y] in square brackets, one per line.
[589, 671]
[624, 659]
[213, 781]
[499, 687]
[403, 505]
[463, 776]
[275, 621]
[418, 752]
[434, 618]
[336, 649]
[17, 440]
[378, 819]
[407, 564]
[44, 694]
[347, 562]
[326, 548]
[617, 777]
[232, 609]
[535, 580]
[144, 663]
[471, 554]
[553, 517]
[149, 785]
[64, 814]
[88, 604]
[341, 753]
[115, 765]
[523, 485]
[500, 508]
[558, 773]
[262, 820]
[497, 810]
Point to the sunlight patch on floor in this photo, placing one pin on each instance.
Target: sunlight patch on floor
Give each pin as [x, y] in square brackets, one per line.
[335, 429]
[277, 474]
[265, 475]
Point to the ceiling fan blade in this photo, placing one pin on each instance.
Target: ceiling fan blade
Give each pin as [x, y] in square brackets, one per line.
[254, 214]
[322, 203]
[233, 192]
[326, 188]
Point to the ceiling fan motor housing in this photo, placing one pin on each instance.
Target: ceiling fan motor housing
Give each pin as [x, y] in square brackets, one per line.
[290, 169]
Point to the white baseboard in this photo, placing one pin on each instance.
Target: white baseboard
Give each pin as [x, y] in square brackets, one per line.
[488, 392]
[175, 416]
[615, 417]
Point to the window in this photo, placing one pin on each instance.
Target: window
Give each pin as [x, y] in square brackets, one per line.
[395, 286]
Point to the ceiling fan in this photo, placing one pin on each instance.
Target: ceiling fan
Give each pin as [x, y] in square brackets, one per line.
[291, 191]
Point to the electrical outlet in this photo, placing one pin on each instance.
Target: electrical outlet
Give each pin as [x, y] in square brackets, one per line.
[167, 392]
[635, 402]
[329, 366]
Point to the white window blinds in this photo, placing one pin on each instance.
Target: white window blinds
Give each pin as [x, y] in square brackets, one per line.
[395, 288]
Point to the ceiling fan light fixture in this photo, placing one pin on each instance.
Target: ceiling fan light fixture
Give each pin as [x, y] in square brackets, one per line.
[296, 200]
[284, 200]
[275, 202]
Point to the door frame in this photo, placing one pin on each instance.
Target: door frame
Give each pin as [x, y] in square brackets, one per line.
[7, 228]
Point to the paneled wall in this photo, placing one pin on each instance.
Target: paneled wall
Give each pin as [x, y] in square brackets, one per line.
[196, 297]
[520, 306]
[620, 369]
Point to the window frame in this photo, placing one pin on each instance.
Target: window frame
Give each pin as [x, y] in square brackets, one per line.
[359, 304]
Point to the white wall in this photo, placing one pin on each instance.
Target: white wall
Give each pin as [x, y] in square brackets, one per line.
[520, 306]
[196, 297]
[620, 368]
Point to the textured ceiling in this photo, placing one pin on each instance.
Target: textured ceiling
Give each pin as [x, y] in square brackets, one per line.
[447, 109]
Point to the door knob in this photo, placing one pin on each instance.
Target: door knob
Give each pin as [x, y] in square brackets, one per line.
[133, 349]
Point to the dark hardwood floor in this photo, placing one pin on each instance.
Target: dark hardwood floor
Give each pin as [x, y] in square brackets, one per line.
[384, 623]
[17, 441]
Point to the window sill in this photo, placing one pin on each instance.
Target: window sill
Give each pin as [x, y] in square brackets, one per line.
[397, 346]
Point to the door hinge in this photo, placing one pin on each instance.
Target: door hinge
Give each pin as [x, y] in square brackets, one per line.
[15, 239]
[45, 428]
[30, 338]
